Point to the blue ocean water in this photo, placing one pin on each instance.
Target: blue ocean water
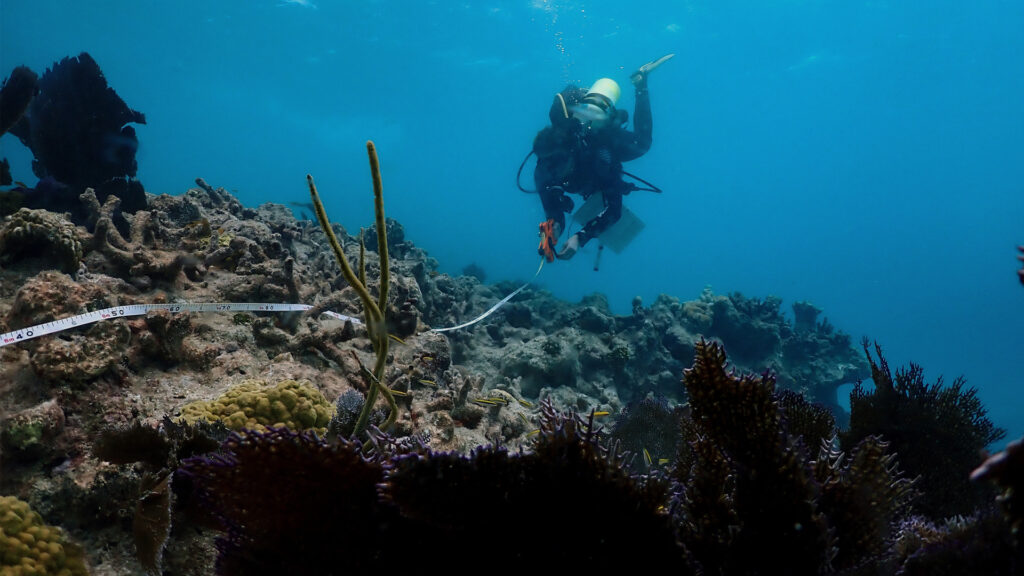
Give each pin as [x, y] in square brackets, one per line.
[864, 156]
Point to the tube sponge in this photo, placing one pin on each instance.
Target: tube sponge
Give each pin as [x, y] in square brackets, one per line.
[252, 405]
[29, 546]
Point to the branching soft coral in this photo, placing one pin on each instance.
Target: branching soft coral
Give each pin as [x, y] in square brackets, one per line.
[293, 503]
[752, 491]
[938, 432]
[746, 458]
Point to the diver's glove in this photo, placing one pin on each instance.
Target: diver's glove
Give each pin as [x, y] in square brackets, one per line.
[570, 248]
[639, 80]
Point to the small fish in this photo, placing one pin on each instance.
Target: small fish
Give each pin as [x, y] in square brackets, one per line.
[428, 358]
[485, 401]
[428, 382]
[398, 392]
[525, 419]
[662, 461]
[647, 457]
[532, 432]
[526, 404]
[601, 413]
[396, 338]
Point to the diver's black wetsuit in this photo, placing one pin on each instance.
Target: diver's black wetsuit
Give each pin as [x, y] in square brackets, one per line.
[578, 160]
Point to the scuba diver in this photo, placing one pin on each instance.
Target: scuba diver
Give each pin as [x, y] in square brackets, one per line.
[582, 152]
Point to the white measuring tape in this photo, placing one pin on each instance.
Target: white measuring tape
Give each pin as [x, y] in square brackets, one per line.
[496, 306]
[55, 326]
[141, 309]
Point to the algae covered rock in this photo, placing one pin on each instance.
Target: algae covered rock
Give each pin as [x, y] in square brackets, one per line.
[31, 432]
[29, 546]
[37, 234]
[253, 405]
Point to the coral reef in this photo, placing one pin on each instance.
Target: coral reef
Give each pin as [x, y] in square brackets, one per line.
[975, 544]
[374, 311]
[30, 433]
[314, 497]
[476, 406]
[541, 346]
[42, 235]
[571, 472]
[160, 450]
[427, 501]
[751, 490]
[252, 405]
[1006, 470]
[938, 431]
[650, 428]
[28, 546]
[743, 454]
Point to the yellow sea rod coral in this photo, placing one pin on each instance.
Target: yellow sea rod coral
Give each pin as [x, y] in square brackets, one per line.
[251, 404]
[30, 547]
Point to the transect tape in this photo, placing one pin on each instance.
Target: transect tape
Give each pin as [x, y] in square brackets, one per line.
[496, 306]
[141, 309]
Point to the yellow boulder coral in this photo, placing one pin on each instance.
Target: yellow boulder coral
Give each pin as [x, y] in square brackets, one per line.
[30, 547]
[253, 405]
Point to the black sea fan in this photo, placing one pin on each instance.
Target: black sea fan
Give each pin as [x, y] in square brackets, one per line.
[79, 131]
[16, 93]
[938, 432]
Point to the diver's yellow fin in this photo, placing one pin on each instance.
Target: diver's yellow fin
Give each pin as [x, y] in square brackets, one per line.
[646, 68]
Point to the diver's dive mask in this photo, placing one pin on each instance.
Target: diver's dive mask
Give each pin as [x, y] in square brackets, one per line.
[592, 113]
[597, 109]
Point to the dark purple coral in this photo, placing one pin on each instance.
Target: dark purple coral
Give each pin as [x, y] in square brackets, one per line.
[650, 429]
[566, 504]
[289, 502]
[292, 503]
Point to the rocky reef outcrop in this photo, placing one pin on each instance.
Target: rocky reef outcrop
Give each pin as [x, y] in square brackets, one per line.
[88, 415]
[460, 390]
[466, 388]
[591, 358]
